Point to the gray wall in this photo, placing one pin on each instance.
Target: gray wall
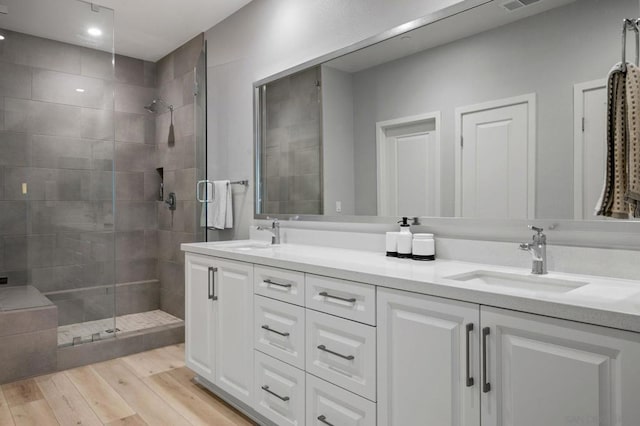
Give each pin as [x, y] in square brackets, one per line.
[337, 141]
[546, 54]
[178, 160]
[266, 37]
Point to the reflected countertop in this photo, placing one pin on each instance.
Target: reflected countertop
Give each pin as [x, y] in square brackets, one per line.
[604, 301]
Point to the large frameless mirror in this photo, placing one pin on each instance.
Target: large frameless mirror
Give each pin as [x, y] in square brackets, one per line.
[499, 111]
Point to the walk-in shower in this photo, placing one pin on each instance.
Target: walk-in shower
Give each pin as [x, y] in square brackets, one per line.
[87, 251]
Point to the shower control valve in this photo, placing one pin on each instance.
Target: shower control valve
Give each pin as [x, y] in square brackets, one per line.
[171, 201]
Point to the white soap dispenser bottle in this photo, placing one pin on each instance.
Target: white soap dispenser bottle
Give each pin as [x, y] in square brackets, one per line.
[404, 239]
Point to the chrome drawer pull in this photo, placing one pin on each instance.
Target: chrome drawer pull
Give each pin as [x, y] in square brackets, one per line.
[324, 348]
[266, 327]
[325, 294]
[267, 281]
[266, 389]
[323, 419]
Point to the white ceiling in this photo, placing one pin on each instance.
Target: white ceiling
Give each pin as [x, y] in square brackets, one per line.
[145, 29]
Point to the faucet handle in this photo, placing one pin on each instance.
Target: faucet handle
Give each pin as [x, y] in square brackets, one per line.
[535, 228]
[274, 221]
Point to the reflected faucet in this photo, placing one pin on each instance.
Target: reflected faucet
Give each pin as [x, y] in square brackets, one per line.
[275, 231]
[538, 250]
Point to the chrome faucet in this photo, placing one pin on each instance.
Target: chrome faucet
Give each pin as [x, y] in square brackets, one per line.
[538, 250]
[275, 230]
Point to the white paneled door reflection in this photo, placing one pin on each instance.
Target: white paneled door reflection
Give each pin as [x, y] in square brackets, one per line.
[590, 146]
[409, 167]
[495, 176]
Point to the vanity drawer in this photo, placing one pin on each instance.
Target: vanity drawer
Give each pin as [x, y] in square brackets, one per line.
[279, 330]
[347, 299]
[279, 391]
[281, 284]
[342, 352]
[336, 406]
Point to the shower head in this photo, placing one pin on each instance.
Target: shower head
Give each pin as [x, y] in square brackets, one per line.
[152, 107]
[156, 104]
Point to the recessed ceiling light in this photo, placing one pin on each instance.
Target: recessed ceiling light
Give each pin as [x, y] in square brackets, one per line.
[80, 90]
[93, 31]
[1, 37]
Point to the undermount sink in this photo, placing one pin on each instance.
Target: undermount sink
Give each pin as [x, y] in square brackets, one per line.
[245, 245]
[537, 283]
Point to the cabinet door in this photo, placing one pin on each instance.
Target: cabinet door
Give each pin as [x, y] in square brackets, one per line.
[544, 371]
[199, 315]
[234, 328]
[423, 344]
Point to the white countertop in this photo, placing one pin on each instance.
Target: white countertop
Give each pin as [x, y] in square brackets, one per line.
[603, 301]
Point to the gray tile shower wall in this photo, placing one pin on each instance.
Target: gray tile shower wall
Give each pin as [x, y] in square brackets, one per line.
[60, 236]
[293, 145]
[175, 74]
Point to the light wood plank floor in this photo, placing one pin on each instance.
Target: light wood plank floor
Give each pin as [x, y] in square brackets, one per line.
[149, 388]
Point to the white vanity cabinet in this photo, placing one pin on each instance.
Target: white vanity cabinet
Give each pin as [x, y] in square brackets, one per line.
[545, 371]
[522, 369]
[295, 348]
[219, 323]
[428, 360]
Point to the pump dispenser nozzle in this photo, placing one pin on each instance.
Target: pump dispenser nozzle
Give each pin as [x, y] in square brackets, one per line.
[404, 222]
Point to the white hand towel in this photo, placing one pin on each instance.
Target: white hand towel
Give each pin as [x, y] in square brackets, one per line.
[228, 220]
[206, 216]
[221, 208]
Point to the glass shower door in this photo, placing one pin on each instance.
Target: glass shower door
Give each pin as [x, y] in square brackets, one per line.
[200, 93]
[57, 212]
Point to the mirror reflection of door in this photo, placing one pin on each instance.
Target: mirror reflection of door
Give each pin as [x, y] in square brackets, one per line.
[495, 158]
[409, 166]
[590, 149]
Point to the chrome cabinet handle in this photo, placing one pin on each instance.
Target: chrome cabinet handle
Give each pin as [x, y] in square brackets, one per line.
[323, 419]
[282, 398]
[267, 281]
[266, 327]
[486, 386]
[325, 294]
[212, 283]
[324, 348]
[470, 380]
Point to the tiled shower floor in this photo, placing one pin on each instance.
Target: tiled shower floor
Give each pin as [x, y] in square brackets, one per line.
[124, 323]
